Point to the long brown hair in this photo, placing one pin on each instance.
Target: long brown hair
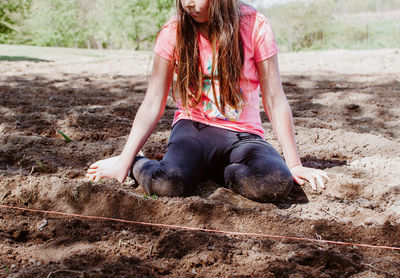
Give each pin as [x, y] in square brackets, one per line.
[227, 56]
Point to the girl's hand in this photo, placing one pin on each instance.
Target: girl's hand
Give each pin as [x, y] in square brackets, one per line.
[313, 176]
[107, 168]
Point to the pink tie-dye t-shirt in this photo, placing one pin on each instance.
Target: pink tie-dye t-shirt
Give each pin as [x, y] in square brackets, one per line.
[258, 45]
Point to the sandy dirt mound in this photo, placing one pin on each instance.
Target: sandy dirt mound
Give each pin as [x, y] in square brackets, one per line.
[347, 122]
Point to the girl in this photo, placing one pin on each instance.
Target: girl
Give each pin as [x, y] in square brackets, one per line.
[223, 53]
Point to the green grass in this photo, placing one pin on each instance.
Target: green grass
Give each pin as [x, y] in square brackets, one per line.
[325, 24]
[350, 35]
[360, 35]
[123, 24]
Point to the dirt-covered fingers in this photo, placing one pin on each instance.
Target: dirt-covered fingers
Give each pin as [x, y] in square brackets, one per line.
[316, 178]
[311, 180]
[96, 164]
[320, 181]
[322, 178]
[93, 174]
[298, 179]
[94, 177]
[324, 174]
[91, 171]
[98, 177]
[93, 166]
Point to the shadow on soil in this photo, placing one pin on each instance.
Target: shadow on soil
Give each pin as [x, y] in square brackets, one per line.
[158, 252]
[22, 59]
[313, 162]
[97, 112]
[371, 111]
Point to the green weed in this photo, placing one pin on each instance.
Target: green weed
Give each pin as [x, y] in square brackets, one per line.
[154, 197]
[67, 139]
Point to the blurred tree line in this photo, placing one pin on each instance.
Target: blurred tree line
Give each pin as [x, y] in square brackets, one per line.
[319, 24]
[83, 23]
[133, 24]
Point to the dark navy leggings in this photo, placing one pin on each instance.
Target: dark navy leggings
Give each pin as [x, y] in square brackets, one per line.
[242, 162]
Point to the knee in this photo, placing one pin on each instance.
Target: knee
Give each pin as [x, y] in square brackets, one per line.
[273, 186]
[160, 179]
[169, 187]
[171, 183]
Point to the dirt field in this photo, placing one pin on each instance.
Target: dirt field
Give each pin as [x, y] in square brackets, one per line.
[347, 120]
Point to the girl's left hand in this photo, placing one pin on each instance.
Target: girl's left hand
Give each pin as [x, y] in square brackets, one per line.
[313, 176]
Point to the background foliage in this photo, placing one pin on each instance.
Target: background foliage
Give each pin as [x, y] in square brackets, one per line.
[133, 24]
[83, 23]
[327, 24]
[12, 14]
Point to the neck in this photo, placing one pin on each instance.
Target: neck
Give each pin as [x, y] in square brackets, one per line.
[203, 29]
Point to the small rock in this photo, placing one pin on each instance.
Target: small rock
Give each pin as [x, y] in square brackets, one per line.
[369, 221]
[297, 208]
[365, 203]
[352, 106]
[40, 226]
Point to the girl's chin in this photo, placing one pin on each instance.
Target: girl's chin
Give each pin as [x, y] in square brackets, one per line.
[199, 19]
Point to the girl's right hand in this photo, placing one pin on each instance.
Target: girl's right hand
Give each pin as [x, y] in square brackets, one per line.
[107, 168]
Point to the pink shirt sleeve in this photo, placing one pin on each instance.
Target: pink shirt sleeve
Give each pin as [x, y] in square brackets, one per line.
[264, 39]
[166, 38]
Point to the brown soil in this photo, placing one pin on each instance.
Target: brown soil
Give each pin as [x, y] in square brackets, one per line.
[347, 124]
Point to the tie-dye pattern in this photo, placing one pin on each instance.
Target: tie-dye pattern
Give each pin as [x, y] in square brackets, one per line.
[210, 108]
[258, 45]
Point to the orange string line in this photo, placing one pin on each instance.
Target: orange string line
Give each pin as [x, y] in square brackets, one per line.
[168, 226]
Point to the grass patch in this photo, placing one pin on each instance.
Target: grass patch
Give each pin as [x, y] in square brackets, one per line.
[125, 24]
[361, 35]
[324, 24]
